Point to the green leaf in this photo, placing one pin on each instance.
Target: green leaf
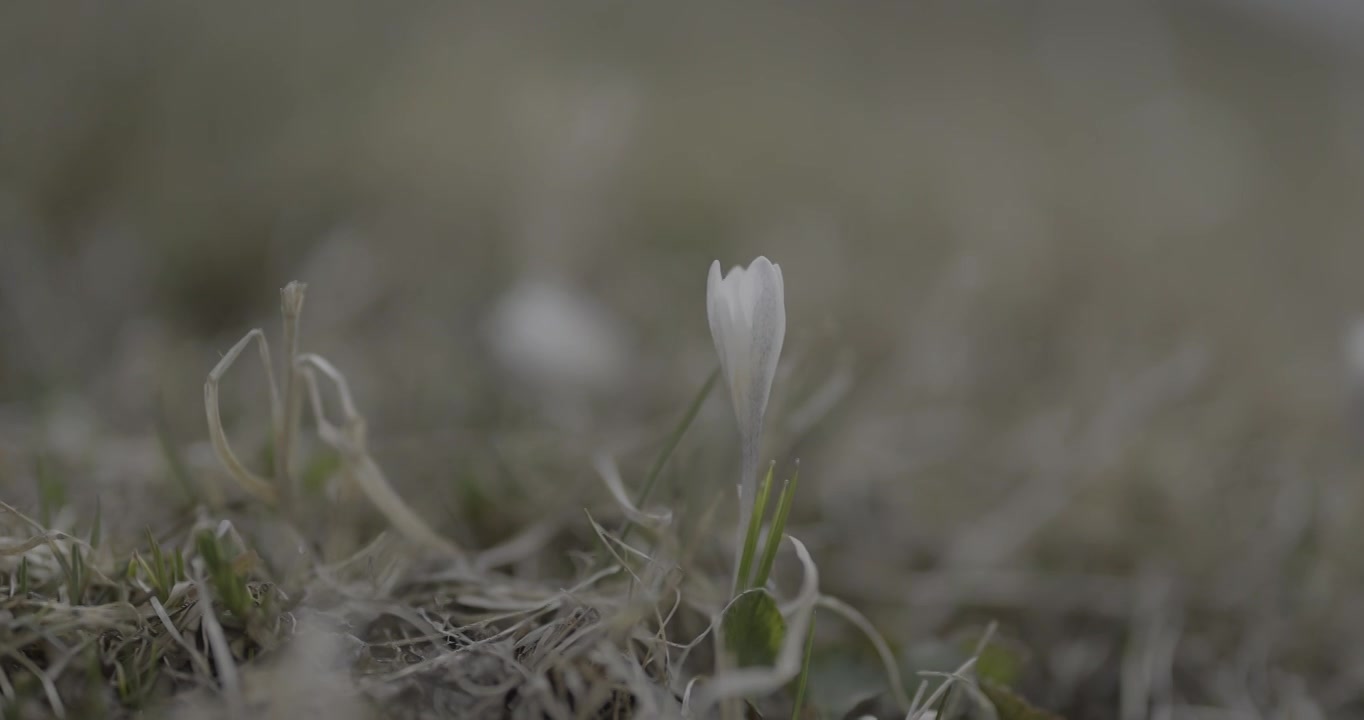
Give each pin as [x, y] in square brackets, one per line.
[754, 629]
[1011, 706]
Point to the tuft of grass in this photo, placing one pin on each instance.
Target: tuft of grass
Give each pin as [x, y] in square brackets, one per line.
[91, 632]
[163, 571]
[230, 587]
[191, 617]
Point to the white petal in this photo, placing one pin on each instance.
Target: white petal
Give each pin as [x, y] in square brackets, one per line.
[714, 285]
[748, 291]
[717, 313]
[768, 333]
[735, 356]
[747, 314]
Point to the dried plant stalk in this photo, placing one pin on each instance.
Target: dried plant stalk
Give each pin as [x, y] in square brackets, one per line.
[349, 441]
[291, 305]
[253, 483]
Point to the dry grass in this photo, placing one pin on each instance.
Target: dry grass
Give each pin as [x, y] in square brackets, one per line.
[1067, 289]
[410, 625]
[197, 621]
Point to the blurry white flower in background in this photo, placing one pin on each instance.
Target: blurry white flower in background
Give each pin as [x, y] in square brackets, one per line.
[556, 339]
[1354, 352]
[1354, 376]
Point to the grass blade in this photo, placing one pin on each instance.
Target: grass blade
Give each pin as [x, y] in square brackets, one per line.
[51, 490]
[95, 526]
[804, 678]
[788, 492]
[755, 522]
[670, 445]
[174, 459]
[77, 576]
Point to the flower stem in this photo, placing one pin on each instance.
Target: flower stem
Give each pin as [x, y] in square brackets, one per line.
[748, 480]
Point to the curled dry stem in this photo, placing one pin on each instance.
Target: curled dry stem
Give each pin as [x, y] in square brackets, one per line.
[251, 482]
[610, 475]
[348, 440]
[860, 621]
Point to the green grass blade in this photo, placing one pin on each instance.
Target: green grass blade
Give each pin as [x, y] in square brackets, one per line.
[51, 490]
[804, 678]
[75, 584]
[755, 522]
[670, 445]
[675, 437]
[230, 587]
[788, 492]
[174, 460]
[121, 682]
[67, 573]
[158, 568]
[95, 526]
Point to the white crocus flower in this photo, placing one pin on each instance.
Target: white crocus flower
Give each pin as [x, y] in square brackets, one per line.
[747, 311]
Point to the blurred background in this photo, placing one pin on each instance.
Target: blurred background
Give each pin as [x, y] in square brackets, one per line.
[1071, 290]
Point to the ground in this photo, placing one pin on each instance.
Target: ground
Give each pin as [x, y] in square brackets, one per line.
[1071, 298]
